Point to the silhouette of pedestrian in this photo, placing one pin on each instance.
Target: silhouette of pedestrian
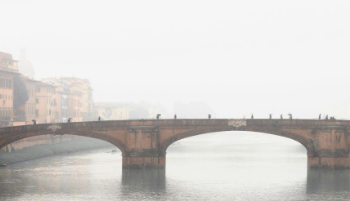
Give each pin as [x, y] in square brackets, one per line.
[270, 115]
[290, 116]
[252, 117]
[158, 115]
[175, 117]
[69, 120]
[209, 116]
[281, 116]
[99, 118]
[34, 122]
[319, 117]
[326, 117]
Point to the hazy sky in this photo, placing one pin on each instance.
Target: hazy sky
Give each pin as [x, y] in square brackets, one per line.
[237, 56]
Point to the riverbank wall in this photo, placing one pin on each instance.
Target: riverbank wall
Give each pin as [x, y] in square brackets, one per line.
[47, 150]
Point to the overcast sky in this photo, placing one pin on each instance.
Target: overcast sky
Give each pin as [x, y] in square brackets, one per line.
[239, 57]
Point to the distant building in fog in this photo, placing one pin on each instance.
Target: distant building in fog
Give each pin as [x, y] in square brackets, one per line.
[25, 67]
[46, 110]
[30, 106]
[192, 110]
[83, 87]
[8, 70]
[76, 100]
[112, 111]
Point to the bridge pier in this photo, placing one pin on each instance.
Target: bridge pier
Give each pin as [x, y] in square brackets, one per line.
[330, 147]
[143, 148]
[143, 162]
[329, 163]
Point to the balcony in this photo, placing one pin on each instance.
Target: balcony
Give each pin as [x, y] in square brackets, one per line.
[9, 68]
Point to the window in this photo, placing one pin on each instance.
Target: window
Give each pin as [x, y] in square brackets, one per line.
[37, 100]
[37, 89]
[5, 83]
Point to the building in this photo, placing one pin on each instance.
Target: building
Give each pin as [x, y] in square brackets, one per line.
[83, 87]
[30, 106]
[8, 70]
[145, 110]
[62, 98]
[46, 103]
[76, 98]
[112, 111]
[75, 105]
[25, 67]
[7, 63]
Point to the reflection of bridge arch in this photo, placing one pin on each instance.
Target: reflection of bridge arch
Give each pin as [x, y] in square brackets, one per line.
[143, 143]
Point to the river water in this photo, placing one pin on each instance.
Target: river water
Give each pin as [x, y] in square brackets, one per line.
[216, 166]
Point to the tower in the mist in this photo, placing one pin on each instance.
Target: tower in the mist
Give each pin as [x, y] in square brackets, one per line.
[25, 66]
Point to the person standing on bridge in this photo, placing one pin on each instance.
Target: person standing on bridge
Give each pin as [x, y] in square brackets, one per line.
[270, 115]
[290, 116]
[34, 121]
[326, 117]
[158, 115]
[252, 117]
[99, 118]
[209, 116]
[319, 117]
[175, 117]
[281, 116]
[69, 120]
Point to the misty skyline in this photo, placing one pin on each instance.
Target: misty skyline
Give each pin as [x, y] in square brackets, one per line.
[237, 57]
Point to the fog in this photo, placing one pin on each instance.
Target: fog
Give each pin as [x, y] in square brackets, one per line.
[236, 57]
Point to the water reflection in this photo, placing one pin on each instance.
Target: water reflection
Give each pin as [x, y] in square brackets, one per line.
[147, 179]
[143, 184]
[328, 181]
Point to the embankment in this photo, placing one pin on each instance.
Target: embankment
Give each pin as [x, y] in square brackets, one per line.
[46, 150]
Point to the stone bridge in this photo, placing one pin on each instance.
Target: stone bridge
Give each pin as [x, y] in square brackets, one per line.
[143, 143]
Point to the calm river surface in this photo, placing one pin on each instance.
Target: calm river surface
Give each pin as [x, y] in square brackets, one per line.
[217, 166]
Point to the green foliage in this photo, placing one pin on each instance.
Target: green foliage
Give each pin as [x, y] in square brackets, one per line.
[20, 92]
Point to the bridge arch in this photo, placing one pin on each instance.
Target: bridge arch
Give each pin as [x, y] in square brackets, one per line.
[100, 136]
[293, 136]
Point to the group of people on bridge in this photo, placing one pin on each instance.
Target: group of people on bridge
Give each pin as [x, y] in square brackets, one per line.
[209, 117]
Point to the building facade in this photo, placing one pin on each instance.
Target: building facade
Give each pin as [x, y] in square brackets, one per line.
[82, 87]
[30, 105]
[112, 111]
[8, 69]
[76, 98]
[46, 103]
